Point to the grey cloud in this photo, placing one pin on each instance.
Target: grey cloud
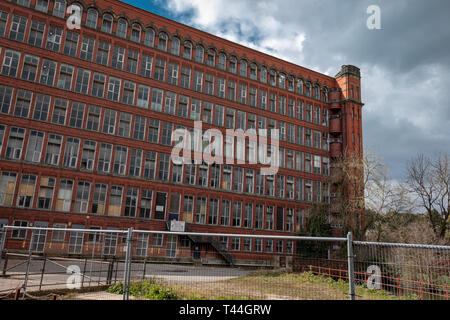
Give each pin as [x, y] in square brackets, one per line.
[405, 65]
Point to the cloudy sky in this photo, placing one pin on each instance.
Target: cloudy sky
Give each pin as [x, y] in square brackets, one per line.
[405, 65]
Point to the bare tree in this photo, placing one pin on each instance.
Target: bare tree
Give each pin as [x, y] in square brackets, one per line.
[349, 179]
[382, 193]
[370, 198]
[429, 179]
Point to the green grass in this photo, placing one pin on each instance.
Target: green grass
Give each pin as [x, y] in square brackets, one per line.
[258, 285]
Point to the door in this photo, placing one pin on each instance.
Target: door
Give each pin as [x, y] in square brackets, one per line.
[197, 252]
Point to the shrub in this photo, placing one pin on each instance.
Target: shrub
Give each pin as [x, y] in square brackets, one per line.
[147, 289]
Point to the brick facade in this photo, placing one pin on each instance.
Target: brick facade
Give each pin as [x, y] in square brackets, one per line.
[321, 116]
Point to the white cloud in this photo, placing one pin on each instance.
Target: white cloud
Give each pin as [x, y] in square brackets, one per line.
[405, 91]
[245, 22]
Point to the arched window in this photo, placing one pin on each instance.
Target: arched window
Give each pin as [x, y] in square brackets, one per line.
[243, 68]
[122, 28]
[211, 58]
[199, 54]
[187, 50]
[263, 76]
[162, 41]
[92, 18]
[175, 46]
[59, 8]
[316, 92]
[107, 23]
[282, 81]
[273, 78]
[325, 95]
[290, 83]
[222, 61]
[300, 86]
[308, 89]
[136, 33]
[41, 5]
[253, 71]
[149, 37]
[25, 3]
[232, 67]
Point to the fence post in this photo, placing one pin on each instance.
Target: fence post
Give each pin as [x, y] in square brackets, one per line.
[351, 272]
[144, 269]
[2, 239]
[84, 272]
[5, 264]
[130, 260]
[110, 272]
[117, 267]
[127, 267]
[420, 290]
[92, 258]
[17, 294]
[2, 242]
[30, 252]
[43, 272]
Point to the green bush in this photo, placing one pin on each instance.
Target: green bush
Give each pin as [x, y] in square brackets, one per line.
[116, 288]
[147, 289]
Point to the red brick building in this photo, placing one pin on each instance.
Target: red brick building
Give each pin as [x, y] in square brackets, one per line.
[86, 117]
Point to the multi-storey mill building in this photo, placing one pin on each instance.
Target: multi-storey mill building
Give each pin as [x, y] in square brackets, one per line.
[86, 117]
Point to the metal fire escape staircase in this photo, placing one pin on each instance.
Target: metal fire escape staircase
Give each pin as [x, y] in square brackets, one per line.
[212, 241]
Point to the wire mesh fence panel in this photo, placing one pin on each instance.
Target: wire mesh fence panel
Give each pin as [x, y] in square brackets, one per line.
[416, 272]
[226, 266]
[93, 264]
[69, 263]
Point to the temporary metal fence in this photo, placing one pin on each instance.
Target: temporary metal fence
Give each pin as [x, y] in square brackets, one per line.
[405, 270]
[49, 263]
[39, 261]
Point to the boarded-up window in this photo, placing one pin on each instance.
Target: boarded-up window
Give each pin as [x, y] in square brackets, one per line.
[7, 186]
[64, 199]
[188, 206]
[26, 191]
[46, 189]
[115, 201]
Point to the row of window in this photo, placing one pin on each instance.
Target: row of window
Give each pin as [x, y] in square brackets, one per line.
[143, 241]
[161, 40]
[76, 114]
[71, 152]
[67, 195]
[100, 85]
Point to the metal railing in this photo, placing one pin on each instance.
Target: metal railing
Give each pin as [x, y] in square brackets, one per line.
[43, 263]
